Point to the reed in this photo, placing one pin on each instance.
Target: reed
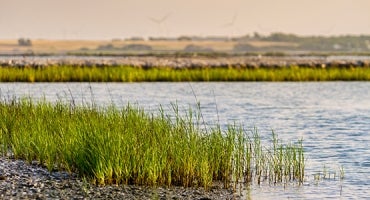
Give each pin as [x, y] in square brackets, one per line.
[137, 74]
[110, 145]
[329, 173]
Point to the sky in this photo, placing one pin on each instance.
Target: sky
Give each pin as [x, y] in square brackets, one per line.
[120, 19]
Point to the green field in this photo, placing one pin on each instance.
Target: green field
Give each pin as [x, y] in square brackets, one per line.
[127, 145]
[137, 74]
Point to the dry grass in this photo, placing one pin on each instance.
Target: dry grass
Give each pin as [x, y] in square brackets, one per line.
[62, 46]
[50, 46]
[269, 44]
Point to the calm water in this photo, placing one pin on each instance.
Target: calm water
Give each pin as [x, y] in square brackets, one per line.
[332, 118]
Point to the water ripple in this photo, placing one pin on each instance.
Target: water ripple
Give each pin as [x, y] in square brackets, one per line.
[332, 118]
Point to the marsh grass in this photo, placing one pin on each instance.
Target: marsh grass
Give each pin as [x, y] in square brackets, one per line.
[110, 145]
[138, 74]
[329, 173]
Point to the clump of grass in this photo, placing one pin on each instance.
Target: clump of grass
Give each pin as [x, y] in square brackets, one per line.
[110, 145]
[329, 173]
[138, 74]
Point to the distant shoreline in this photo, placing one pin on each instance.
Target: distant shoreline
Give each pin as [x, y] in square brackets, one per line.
[281, 44]
[187, 61]
[173, 69]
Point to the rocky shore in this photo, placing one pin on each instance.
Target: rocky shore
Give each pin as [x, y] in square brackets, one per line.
[20, 180]
[186, 62]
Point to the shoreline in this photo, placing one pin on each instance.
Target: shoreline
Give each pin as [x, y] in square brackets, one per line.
[180, 62]
[21, 180]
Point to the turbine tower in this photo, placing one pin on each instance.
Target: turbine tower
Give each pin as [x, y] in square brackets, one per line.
[160, 23]
[231, 25]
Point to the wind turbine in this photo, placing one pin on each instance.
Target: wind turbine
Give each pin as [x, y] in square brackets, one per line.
[264, 29]
[231, 24]
[329, 30]
[160, 21]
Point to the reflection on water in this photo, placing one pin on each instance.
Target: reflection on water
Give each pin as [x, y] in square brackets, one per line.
[332, 118]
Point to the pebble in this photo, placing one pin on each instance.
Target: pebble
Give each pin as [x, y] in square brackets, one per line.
[181, 62]
[20, 180]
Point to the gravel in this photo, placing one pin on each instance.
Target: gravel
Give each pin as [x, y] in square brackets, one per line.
[22, 180]
[182, 62]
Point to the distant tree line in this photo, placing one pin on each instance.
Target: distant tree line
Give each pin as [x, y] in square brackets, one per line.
[24, 42]
[279, 42]
[130, 47]
[345, 43]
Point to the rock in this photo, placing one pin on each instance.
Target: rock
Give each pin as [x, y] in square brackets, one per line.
[178, 62]
[27, 181]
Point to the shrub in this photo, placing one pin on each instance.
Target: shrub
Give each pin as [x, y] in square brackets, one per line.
[24, 42]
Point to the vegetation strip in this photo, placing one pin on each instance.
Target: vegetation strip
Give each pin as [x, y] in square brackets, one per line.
[129, 146]
[137, 74]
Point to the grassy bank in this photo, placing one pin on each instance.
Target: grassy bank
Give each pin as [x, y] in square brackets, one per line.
[130, 146]
[134, 74]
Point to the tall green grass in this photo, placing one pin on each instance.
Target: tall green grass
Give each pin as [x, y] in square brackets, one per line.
[137, 74]
[111, 145]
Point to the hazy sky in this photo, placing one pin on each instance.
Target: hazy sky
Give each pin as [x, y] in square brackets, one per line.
[107, 19]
